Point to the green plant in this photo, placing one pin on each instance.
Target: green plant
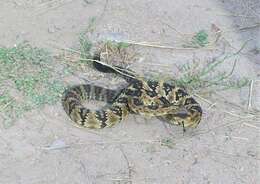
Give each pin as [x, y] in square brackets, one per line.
[29, 72]
[200, 39]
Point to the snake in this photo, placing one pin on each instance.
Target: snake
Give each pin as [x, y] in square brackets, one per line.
[147, 97]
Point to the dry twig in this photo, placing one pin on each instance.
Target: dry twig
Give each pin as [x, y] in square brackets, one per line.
[146, 44]
[250, 95]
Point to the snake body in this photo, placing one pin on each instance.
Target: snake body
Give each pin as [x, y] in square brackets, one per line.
[140, 96]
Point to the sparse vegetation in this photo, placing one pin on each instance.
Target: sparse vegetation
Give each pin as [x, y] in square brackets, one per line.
[29, 73]
[208, 76]
[30, 79]
[196, 76]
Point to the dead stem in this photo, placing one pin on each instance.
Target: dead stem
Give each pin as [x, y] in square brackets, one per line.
[249, 106]
[129, 168]
[235, 137]
[236, 15]
[183, 35]
[252, 126]
[249, 27]
[242, 28]
[146, 44]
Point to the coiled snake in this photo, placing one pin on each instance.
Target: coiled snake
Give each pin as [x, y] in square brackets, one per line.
[144, 97]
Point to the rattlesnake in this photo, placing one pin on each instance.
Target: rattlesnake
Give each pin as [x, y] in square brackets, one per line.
[140, 96]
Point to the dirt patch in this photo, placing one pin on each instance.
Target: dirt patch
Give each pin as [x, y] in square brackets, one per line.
[43, 147]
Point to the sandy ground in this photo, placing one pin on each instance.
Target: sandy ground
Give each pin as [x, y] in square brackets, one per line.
[44, 147]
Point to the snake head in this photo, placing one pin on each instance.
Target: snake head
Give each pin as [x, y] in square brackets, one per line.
[185, 119]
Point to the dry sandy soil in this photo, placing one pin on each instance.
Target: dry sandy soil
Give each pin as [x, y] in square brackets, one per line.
[43, 147]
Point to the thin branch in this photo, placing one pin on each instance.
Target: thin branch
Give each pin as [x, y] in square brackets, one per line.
[236, 15]
[250, 95]
[146, 44]
[249, 27]
[128, 165]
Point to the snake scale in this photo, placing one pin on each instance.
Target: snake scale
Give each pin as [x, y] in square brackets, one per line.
[140, 96]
